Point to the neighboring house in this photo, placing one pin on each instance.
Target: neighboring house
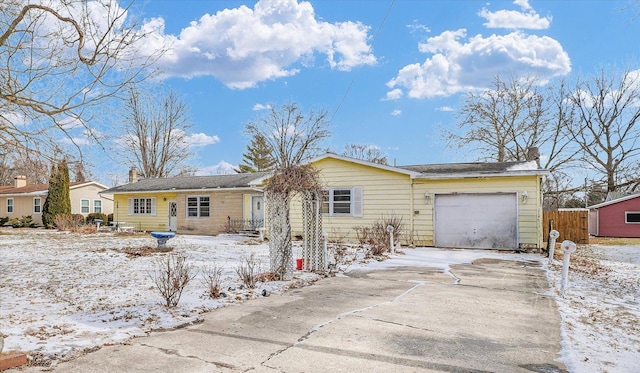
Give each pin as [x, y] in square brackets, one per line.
[22, 199]
[463, 205]
[616, 218]
[204, 205]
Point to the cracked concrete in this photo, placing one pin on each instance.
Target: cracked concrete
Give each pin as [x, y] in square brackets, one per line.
[493, 317]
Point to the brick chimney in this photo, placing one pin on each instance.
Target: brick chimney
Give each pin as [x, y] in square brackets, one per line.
[20, 181]
[133, 175]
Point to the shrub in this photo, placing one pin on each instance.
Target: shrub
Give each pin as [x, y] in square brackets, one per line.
[109, 218]
[96, 215]
[377, 236]
[247, 270]
[171, 274]
[78, 219]
[23, 222]
[212, 280]
[3, 221]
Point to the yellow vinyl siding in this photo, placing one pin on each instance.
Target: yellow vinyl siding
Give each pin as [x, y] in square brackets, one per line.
[144, 222]
[223, 204]
[529, 219]
[387, 193]
[384, 193]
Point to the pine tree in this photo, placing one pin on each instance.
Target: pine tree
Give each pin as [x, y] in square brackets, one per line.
[58, 200]
[258, 156]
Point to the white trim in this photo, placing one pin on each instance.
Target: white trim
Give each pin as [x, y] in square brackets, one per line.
[88, 206]
[626, 214]
[607, 203]
[197, 206]
[34, 205]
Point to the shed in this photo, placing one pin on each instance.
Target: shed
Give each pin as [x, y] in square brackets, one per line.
[616, 218]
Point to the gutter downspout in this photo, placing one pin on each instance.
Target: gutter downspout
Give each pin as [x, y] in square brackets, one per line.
[411, 215]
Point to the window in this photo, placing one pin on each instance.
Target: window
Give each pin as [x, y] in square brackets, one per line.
[342, 201]
[632, 217]
[142, 206]
[37, 205]
[198, 207]
[84, 206]
[9, 205]
[97, 205]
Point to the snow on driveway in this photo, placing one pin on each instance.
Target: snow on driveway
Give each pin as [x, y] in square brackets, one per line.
[62, 294]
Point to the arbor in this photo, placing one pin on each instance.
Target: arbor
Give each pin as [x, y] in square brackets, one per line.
[156, 133]
[607, 127]
[258, 157]
[366, 153]
[293, 138]
[58, 201]
[61, 60]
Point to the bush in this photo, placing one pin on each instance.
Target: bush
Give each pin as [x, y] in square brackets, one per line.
[109, 218]
[377, 236]
[247, 270]
[97, 215]
[3, 221]
[171, 274]
[23, 222]
[78, 219]
[212, 280]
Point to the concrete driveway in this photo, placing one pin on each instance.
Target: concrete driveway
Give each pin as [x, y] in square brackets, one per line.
[497, 318]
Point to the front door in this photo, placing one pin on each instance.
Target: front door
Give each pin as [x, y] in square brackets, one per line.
[173, 216]
[257, 212]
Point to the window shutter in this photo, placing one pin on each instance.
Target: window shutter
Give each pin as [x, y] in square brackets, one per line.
[153, 206]
[357, 201]
[130, 206]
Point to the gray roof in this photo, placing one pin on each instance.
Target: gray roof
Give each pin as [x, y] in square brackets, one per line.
[458, 168]
[178, 183]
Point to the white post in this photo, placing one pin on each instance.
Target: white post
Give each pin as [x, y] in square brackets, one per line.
[391, 245]
[567, 247]
[553, 236]
[325, 257]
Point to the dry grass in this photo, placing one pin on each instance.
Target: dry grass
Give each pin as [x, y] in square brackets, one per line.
[614, 241]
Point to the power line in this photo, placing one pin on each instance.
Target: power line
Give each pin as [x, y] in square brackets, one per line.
[346, 93]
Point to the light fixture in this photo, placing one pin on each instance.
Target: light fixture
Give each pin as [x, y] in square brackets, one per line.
[524, 197]
[427, 198]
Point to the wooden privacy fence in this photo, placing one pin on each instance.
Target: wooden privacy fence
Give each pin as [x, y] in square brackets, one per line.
[572, 225]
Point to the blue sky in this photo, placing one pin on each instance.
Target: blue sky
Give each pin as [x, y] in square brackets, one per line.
[392, 74]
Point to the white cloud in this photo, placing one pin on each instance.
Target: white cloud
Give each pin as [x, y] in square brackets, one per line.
[396, 112]
[242, 46]
[512, 19]
[222, 168]
[258, 107]
[459, 64]
[445, 108]
[524, 4]
[201, 139]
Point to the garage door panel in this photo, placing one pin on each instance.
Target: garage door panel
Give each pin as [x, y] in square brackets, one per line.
[476, 220]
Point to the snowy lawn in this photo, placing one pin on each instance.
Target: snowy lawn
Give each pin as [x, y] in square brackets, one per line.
[62, 294]
[65, 293]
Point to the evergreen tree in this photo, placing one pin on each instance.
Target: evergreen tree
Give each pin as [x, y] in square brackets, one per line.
[58, 200]
[258, 156]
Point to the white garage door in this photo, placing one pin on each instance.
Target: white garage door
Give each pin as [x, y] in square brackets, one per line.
[475, 220]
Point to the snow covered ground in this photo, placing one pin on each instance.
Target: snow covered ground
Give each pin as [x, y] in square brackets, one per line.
[62, 294]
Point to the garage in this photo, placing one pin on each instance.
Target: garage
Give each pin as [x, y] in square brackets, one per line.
[476, 220]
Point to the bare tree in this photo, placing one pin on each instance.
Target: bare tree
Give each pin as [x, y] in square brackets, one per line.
[608, 126]
[503, 123]
[59, 61]
[293, 138]
[369, 153]
[156, 133]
